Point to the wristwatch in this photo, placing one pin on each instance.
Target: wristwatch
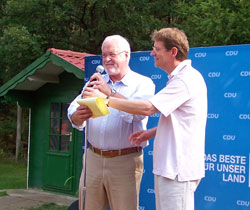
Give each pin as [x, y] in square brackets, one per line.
[113, 91]
[106, 100]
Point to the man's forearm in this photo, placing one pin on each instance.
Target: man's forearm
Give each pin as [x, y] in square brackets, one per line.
[137, 107]
[152, 132]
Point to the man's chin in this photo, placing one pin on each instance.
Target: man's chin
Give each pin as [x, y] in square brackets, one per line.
[112, 72]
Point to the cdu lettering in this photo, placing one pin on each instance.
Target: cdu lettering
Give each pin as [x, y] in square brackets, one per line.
[200, 55]
[95, 62]
[155, 115]
[242, 203]
[244, 116]
[212, 116]
[245, 73]
[144, 58]
[231, 53]
[210, 198]
[228, 137]
[230, 95]
[214, 74]
[150, 190]
[156, 76]
[150, 152]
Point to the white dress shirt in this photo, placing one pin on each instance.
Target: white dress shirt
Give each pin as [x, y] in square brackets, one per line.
[111, 132]
[179, 145]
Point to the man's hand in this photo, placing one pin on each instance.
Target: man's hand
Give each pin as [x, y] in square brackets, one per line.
[97, 82]
[81, 114]
[91, 92]
[138, 137]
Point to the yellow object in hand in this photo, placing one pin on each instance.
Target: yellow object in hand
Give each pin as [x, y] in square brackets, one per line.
[96, 104]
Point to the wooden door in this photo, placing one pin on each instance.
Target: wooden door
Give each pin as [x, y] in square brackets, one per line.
[58, 171]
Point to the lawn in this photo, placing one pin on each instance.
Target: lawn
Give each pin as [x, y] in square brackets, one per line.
[3, 193]
[12, 174]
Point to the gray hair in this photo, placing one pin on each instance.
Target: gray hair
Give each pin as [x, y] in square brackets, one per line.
[122, 42]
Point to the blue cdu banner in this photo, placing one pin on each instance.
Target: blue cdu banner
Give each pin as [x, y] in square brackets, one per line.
[226, 71]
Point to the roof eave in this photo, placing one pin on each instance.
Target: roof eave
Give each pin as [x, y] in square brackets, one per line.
[37, 65]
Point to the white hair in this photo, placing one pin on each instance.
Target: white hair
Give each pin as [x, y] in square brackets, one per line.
[122, 42]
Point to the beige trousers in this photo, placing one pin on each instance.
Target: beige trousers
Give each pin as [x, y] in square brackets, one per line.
[173, 195]
[113, 182]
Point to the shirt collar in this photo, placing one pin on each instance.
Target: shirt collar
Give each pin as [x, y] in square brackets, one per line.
[125, 80]
[179, 68]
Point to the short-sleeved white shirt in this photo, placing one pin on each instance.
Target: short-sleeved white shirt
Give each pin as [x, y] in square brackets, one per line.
[179, 145]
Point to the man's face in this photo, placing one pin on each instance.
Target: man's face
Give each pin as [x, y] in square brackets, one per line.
[161, 55]
[113, 58]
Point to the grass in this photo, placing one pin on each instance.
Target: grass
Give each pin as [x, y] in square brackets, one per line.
[50, 206]
[3, 193]
[12, 174]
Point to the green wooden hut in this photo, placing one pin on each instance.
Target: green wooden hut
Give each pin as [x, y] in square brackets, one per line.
[46, 87]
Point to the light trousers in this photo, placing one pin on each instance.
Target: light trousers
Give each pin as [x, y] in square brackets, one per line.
[174, 195]
[113, 182]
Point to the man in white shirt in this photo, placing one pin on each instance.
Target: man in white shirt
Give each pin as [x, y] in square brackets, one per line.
[114, 165]
[179, 145]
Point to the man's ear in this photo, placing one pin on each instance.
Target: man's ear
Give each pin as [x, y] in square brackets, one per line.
[174, 51]
[126, 54]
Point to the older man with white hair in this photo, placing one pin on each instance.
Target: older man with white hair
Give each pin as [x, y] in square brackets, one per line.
[114, 166]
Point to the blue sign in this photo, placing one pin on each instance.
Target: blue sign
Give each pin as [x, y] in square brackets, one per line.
[226, 71]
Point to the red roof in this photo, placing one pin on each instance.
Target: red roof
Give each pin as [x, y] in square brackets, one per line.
[76, 58]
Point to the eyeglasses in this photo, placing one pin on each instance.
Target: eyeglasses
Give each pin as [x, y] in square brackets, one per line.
[156, 49]
[112, 55]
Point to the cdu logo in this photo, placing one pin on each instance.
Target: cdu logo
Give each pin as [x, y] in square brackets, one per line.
[96, 62]
[156, 76]
[200, 55]
[212, 116]
[149, 190]
[228, 137]
[144, 58]
[157, 115]
[242, 203]
[244, 116]
[210, 198]
[231, 53]
[214, 74]
[245, 73]
[230, 95]
[150, 152]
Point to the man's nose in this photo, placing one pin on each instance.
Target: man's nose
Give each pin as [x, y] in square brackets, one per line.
[152, 53]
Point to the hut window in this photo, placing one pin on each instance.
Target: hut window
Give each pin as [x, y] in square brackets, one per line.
[59, 127]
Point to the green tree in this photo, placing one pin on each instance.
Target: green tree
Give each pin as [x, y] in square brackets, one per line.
[210, 23]
[28, 28]
[18, 48]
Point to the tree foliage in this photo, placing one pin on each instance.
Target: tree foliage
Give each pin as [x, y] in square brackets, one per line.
[210, 23]
[28, 28]
[19, 48]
